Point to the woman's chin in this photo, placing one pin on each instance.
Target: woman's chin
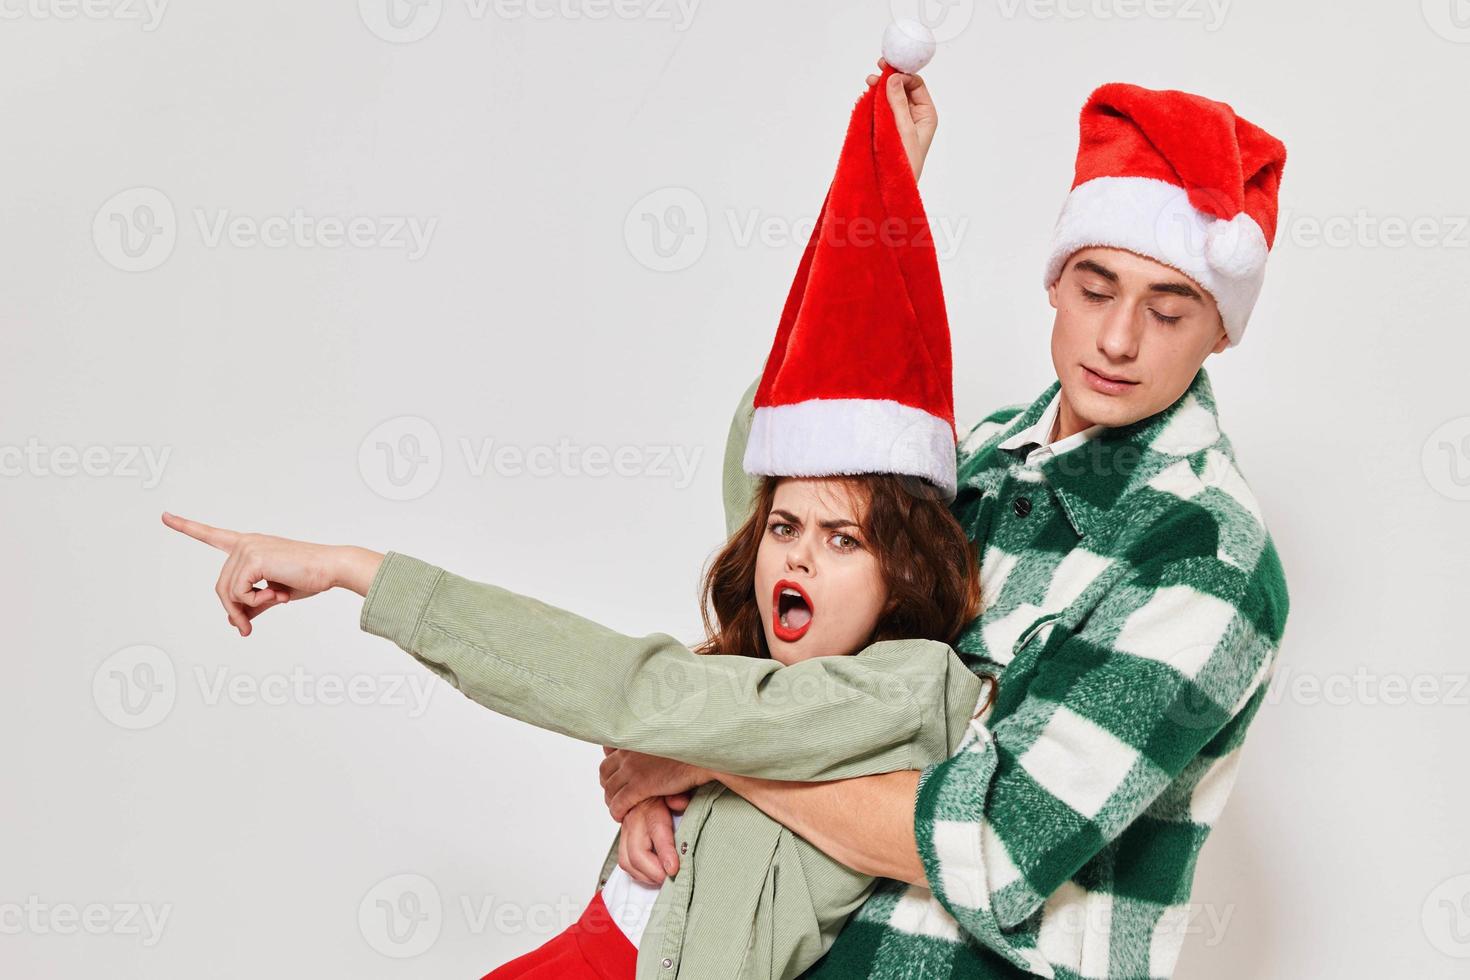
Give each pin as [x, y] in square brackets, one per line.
[788, 652]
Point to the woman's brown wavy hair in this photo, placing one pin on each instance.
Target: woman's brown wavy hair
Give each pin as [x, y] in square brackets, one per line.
[924, 556]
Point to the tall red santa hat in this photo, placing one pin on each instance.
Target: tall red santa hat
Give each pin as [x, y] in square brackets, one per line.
[859, 377]
[1180, 179]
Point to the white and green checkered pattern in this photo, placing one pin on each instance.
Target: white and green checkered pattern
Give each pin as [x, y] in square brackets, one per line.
[1135, 604]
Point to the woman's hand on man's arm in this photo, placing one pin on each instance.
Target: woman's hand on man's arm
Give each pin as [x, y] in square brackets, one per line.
[643, 792]
[646, 848]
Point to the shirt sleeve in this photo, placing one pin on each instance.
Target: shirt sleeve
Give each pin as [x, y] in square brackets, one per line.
[1164, 675]
[739, 486]
[891, 706]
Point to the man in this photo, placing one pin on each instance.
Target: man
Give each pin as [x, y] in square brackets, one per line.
[1135, 601]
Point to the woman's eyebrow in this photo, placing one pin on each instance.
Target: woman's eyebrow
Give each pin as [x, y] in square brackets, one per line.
[827, 525]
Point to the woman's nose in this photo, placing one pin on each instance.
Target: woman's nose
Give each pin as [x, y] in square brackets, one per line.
[799, 559]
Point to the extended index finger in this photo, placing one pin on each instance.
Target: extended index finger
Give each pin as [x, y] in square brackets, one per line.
[217, 537]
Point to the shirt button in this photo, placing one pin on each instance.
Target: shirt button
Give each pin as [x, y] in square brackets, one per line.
[667, 963]
[1022, 506]
[684, 848]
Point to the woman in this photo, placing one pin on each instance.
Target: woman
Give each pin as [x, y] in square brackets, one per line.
[824, 567]
[843, 555]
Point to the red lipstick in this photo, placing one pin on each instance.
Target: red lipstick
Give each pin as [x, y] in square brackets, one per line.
[791, 615]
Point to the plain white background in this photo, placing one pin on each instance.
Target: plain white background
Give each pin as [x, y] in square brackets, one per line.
[207, 263]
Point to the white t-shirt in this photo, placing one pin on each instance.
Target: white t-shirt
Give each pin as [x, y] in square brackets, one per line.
[629, 902]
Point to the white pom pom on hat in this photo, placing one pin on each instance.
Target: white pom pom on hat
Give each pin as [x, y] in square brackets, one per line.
[1237, 247]
[908, 45]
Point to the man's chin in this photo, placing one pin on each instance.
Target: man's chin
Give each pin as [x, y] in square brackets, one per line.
[1111, 411]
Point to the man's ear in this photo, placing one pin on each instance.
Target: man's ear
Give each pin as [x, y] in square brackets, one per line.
[1223, 341]
[1051, 294]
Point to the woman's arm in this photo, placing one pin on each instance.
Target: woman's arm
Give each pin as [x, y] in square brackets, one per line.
[892, 706]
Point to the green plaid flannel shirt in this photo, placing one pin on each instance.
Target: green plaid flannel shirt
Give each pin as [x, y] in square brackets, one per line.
[1135, 605]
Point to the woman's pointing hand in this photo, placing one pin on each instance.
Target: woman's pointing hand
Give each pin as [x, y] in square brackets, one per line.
[289, 569]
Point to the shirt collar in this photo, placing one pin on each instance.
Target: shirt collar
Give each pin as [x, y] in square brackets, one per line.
[1092, 477]
[1036, 439]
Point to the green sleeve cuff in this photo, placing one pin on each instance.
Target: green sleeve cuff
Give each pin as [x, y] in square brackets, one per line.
[398, 598]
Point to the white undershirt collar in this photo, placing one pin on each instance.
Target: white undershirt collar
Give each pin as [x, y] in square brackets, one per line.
[1039, 435]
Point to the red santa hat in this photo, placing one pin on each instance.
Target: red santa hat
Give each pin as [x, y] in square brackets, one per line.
[859, 377]
[1180, 179]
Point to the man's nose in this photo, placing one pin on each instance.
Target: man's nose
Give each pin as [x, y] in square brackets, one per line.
[1118, 338]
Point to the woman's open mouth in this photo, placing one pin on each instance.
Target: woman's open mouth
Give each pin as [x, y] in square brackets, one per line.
[791, 610]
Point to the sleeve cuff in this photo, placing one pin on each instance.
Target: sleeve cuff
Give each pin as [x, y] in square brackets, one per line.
[398, 598]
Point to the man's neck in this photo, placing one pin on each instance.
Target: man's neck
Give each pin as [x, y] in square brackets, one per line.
[1068, 422]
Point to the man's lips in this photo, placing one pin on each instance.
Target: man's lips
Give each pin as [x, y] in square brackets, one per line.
[1106, 383]
[799, 614]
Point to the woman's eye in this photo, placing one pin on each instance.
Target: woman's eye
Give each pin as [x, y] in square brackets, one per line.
[782, 530]
[844, 542]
